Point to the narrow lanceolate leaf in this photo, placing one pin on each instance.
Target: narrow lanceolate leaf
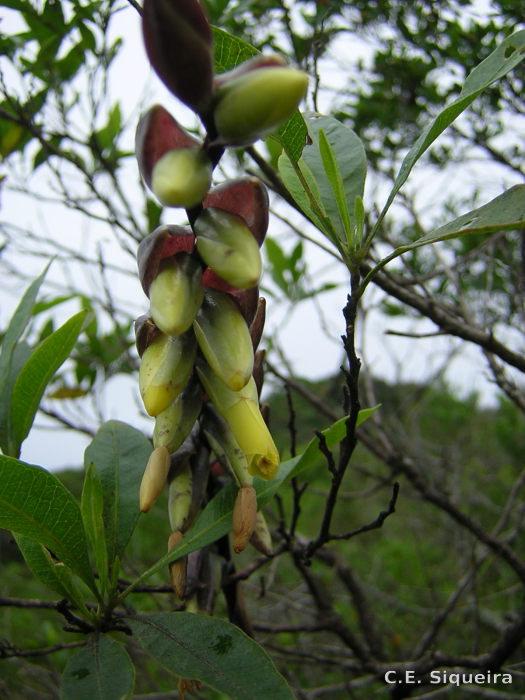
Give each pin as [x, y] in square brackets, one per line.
[16, 327]
[333, 173]
[506, 212]
[92, 509]
[119, 453]
[35, 504]
[337, 161]
[212, 651]
[51, 573]
[500, 62]
[37, 373]
[102, 670]
[216, 518]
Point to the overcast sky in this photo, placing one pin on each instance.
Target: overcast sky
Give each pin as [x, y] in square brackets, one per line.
[309, 332]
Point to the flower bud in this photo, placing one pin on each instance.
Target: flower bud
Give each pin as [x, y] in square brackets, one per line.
[176, 294]
[224, 339]
[177, 568]
[158, 132]
[165, 368]
[248, 198]
[259, 61]
[240, 409]
[181, 177]
[177, 37]
[228, 247]
[154, 478]
[255, 103]
[244, 517]
[174, 424]
[164, 242]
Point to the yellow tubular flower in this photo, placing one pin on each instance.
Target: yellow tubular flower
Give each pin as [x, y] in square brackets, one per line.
[240, 409]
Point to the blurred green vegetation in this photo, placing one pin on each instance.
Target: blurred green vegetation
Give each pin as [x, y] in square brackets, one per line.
[408, 569]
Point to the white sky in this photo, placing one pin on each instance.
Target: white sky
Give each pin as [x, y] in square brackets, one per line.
[310, 332]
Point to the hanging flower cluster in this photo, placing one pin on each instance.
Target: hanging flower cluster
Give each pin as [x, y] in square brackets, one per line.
[198, 344]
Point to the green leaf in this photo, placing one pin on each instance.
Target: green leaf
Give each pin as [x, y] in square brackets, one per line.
[212, 651]
[505, 212]
[92, 507]
[337, 160]
[292, 135]
[11, 137]
[335, 178]
[229, 51]
[16, 327]
[119, 453]
[215, 519]
[36, 374]
[51, 573]
[102, 670]
[302, 185]
[34, 503]
[107, 136]
[500, 62]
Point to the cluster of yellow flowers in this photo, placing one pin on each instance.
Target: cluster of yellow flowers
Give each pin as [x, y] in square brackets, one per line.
[198, 344]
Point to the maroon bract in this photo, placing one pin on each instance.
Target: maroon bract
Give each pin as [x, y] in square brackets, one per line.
[164, 242]
[157, 133]
[246, 197]
[261, 61]
[177, 36]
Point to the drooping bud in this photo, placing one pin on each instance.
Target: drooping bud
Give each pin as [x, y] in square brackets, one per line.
[157, 133]
[246, 197]
[222, 441]
[256, 103]
[154, 478]
[244, 517]
[174, 424]
[164, 242]
[224, 339]
[228, 247]
[240, 409]
[261, 537]
[176, 293]
[177, 36]
[178, 567]
[181, 177]
[165, 368]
